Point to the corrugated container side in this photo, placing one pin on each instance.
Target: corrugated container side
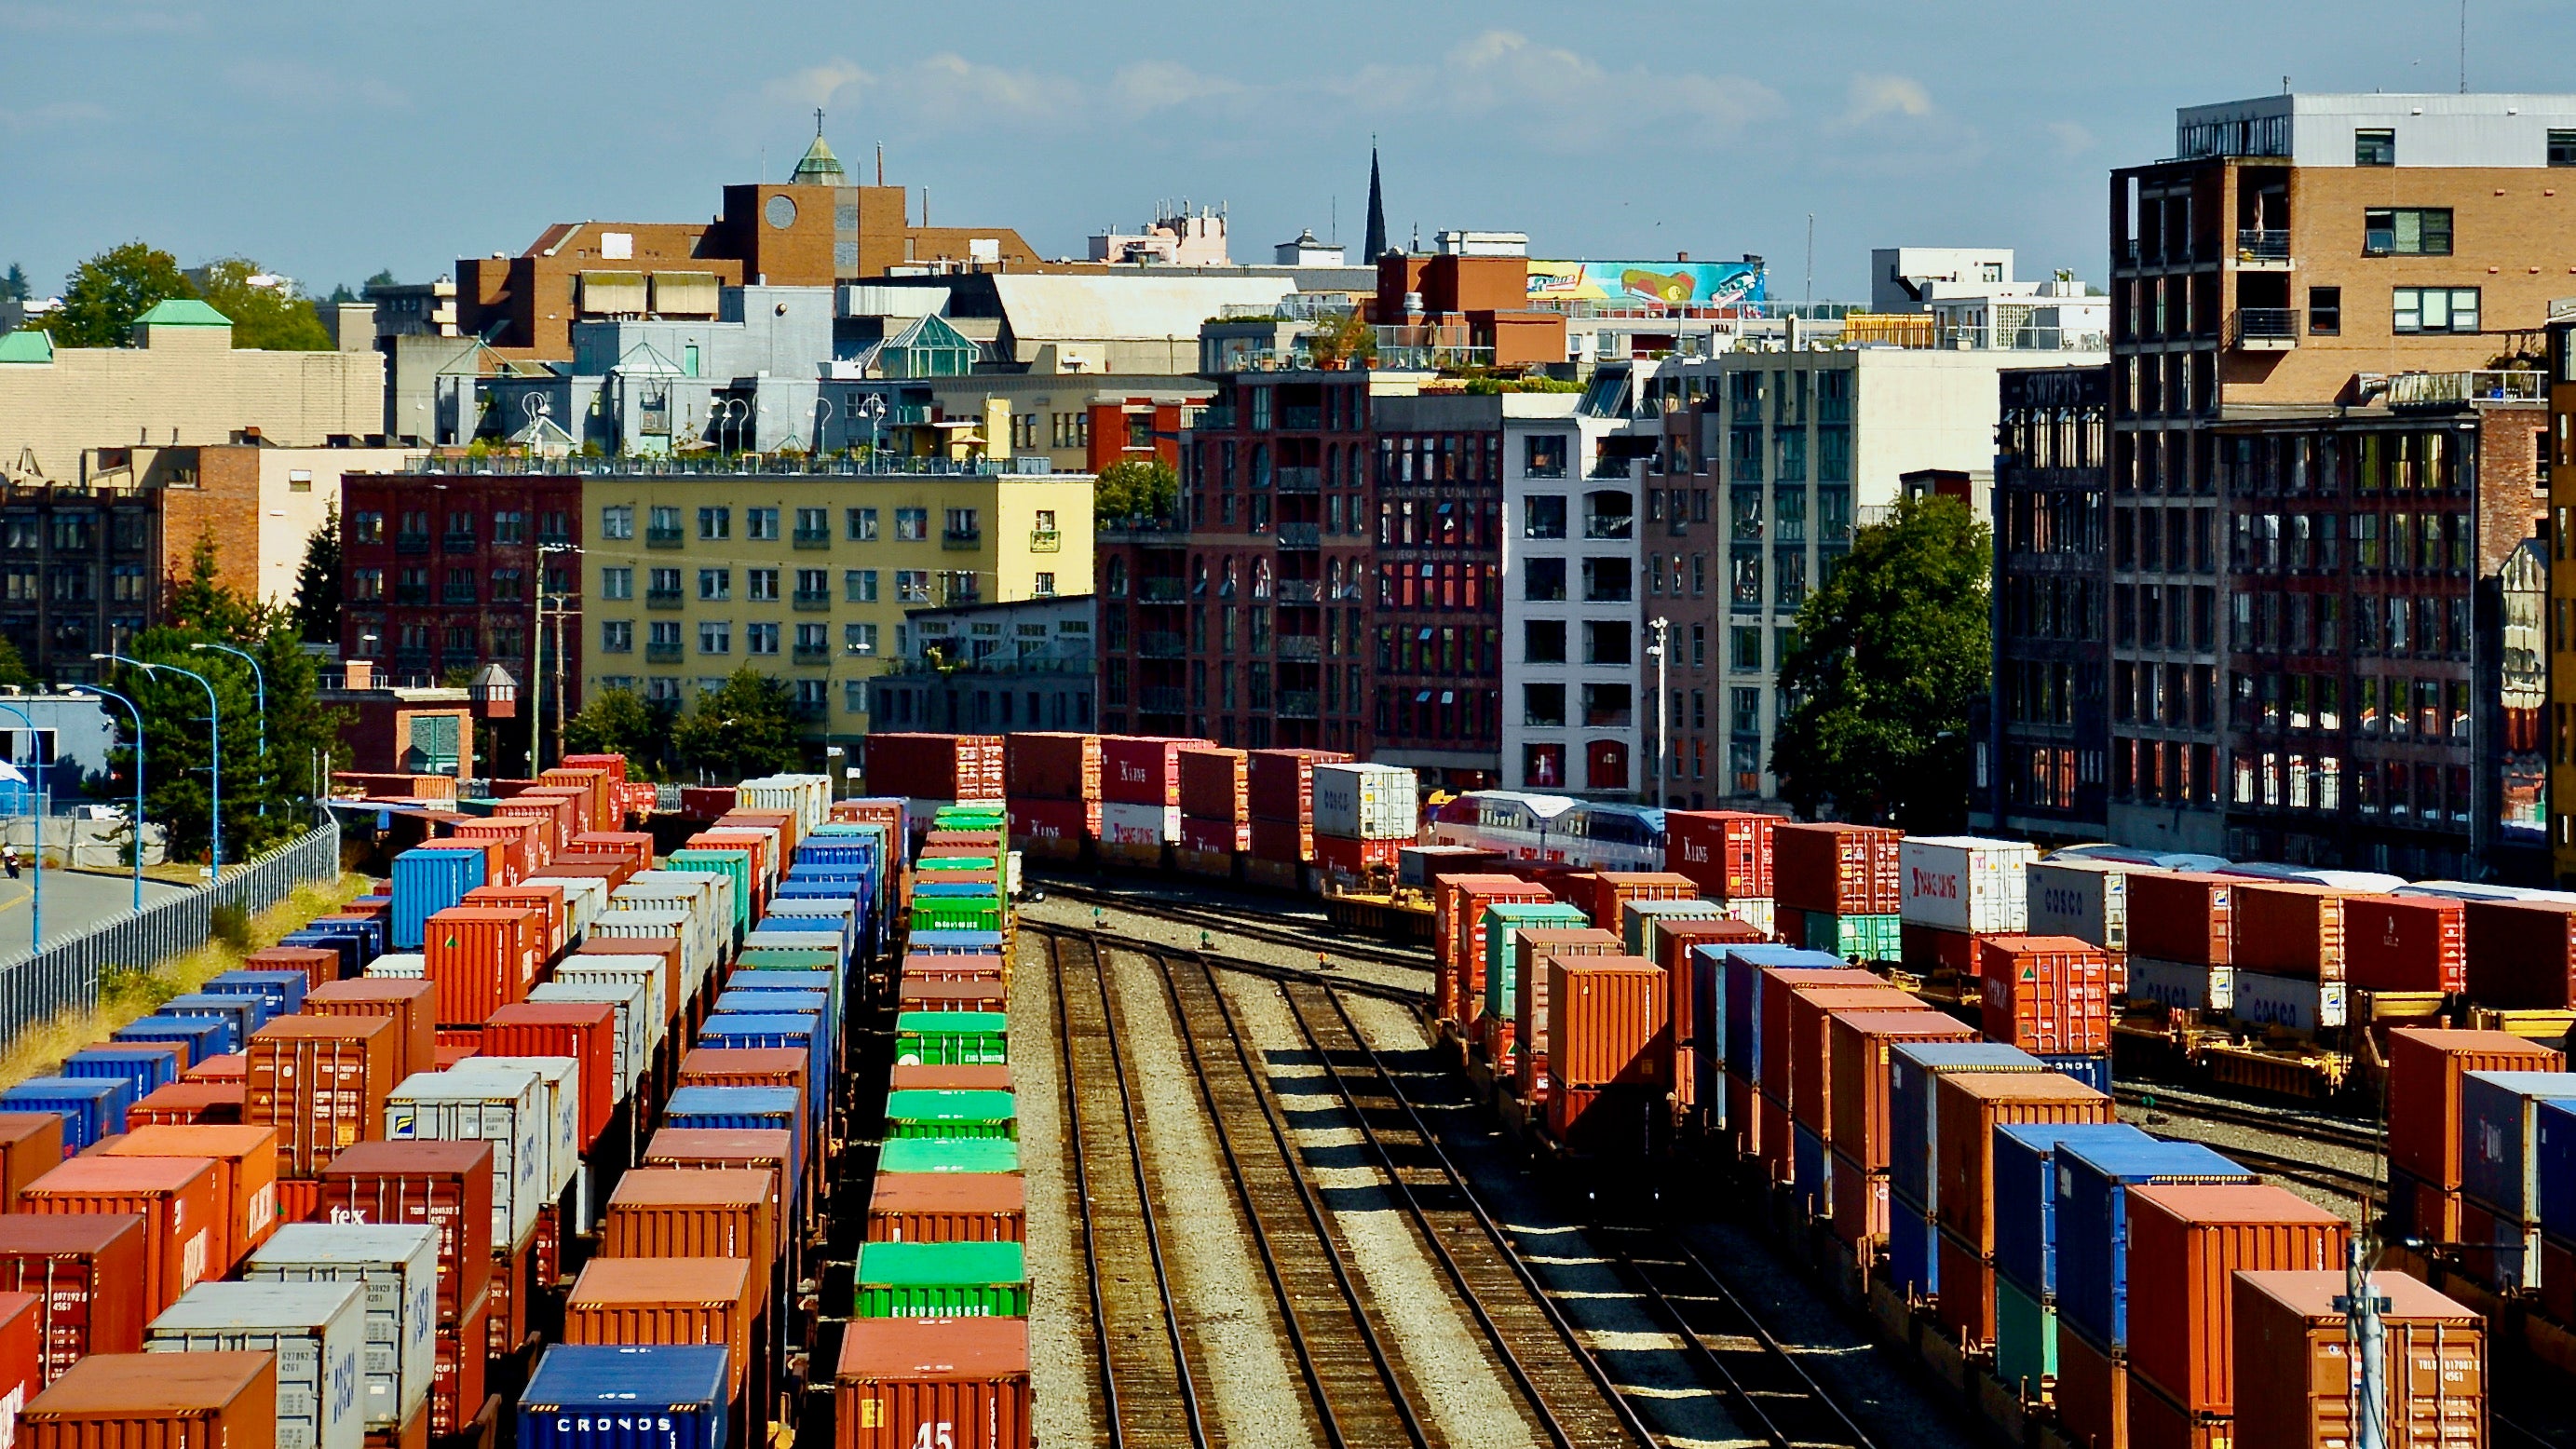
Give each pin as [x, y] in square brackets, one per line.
[320, 1082]
[2405, 943]
[2285, 928]
[1840, 869]
[1606, 1022]
[2425, 1071]
[1970, 1107]
[905, 1382]
[157, 1401]
[1726, 852]
[2182, 916]
[1216, 785]
[177, 1198]
[666, 1301]
[613, 1396]
[2088, 900]
[1860, 1045]
[948, 1207]
[88, 1273]
[2197, 1238]
[2290, 1337]
[2047, 993]
[2499, 1158]
[1964, 883]
[2521, 955]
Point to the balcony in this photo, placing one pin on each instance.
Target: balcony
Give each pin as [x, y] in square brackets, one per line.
[812, 601]
[661, 598]
[661, 538]
[2439, 389]
[1159, 699]
[1160, 591]
[1305, 418]
[808, 711]
[1298, 480]
[963, 539]
[457, 595]
[2263, 329]
[1162, 644]
[1616, 469]
[411, 543]
[2262, 250]
[658, 653]
[814, 654]
[1045, 540]
[1301, 536]
[457, 543]
[813, 538]
[1301, 646]
[1610, 525]
[1606, 719]
[411, 593]
[1300, 591]
[1298, 704]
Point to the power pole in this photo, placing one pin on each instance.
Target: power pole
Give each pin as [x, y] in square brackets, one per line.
[2368, 1338]
[1663, 703]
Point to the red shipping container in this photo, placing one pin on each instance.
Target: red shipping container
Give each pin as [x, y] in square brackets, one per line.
[1216, 784]
[1726, 853]
[1603, 892]
[2405, 943]
[299, 1199]
[1933, 950]
[229, 1067]
[585, 1031]
[1966, 1302]
[2181, 1315]
[525, 845]
[717, 1214]
[1143, 769]
[948, 1207]
[1844, 870]
[1281, 783]
[1223, 837]
[961, 967]
[321, 1082]
[546, 900]
[318, 963]
[1968, 1107]
[413, 1005]
[937, 767]
[2185, 916]
[1861, 1082]
[245, 1160]
[960, 1077]
[1054, 829]
[2521, 955]
[22, 1357]
[2290, 1338]
[456, 1386]
[2425, 1069]
[157, 1401]
[1051, 765]
[88, 1270]
[952, 996]
[1781, 983]
[182, 1104]
[1804, 1054]
[903, 1381]
[2284, 928]
[1283, 842]
[614, 765]
[1860, 1198]
[706, 802]
[482, 958]
[699, 1149]
[31, 1143]
[442, 1185]
[2047, 994]
[635, 845]
[1677, 940]
[560, 815]
[1606, 1024]
[675, 997]
[1354, 859]
[2092, 1391]
[665, 1301]
[178, 1197]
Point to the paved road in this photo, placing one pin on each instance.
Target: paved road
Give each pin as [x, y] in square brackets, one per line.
[74, 902]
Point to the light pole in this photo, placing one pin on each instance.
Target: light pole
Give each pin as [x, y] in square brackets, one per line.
[259, 681]
[537, 663]
[1663, 700]
[36, 925]
[874, 410]
[214, 757]
[138, 780]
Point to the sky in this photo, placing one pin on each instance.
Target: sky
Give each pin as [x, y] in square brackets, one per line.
[329, 140]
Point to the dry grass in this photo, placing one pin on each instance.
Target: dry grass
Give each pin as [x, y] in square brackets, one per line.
[126, 996]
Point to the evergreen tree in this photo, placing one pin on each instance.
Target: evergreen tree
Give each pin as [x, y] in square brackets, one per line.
[14, 287]
[317, 584]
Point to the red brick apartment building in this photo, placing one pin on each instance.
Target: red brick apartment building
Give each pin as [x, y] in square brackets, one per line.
[444, 572]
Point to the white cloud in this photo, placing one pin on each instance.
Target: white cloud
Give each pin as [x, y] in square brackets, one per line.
[2070, 138]
[1874, 96]
[1564, 100]
[1156, 85]
[49, 115]
[946, 89]
[817, 85]
[293, 83]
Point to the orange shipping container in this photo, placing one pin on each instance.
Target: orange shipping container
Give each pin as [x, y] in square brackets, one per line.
[481, 958]
[546, 900]
[183, 1215]
[31, 1145]
[2046, 993]
[559, 816]
[245, 1161]
[413, 1005]
[1861, 1082]
[2286, 928]
[321, 1082]
[634, 845]
[1603, 892]
[1969, 1106]
[716, 1149]
[2425, 1069]
[746, 1067]
[2290, 1337]
[903, 1381]
[2181, 1314]
[948, 1207]
[1606, 1022]
[158, 1401]
[666, 1301]
[1798, 1064]
[523, 845]
[719, 1214]
[1529, 981]
[963, 1077]
[318, 963]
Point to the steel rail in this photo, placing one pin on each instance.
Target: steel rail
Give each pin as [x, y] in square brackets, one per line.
[1213, 918]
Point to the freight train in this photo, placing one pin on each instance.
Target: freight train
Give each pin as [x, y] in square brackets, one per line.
[540, 1141]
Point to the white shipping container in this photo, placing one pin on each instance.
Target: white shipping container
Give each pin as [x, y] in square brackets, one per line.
[1637, 921]
[622, 921]
[2261, 1000]
[584, 898]
[395, 1269]
[1965, 883]
[2086, 899]
[644, 973]
[318, 1331]
[1760, 911]
[562, 1076]
[1124, 822]
[1366, 802]
[625, 1002]
[399, 966]
[505, 1108]
[2182, 985]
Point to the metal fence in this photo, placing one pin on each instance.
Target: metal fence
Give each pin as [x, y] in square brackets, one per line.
[65, 974]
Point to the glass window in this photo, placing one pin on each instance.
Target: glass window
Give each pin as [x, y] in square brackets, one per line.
[715, 583]
[760, 639]
[509, 525]
[2562, 148]
[1544, 455]
[862, 524]
[1543, 641]
[617, 520]
[715, 638]
[859, 638]
[2374, 148]
[911, 525]
[617, 636]
[764, 585]
[1544, 580]
[1543, 705]
[617, 583]
[665, 522]
[1543, 516]
[2435, 309]
[859, 586]
[762, 524]
[715, 523]
[2325, 311]
[2406, 231]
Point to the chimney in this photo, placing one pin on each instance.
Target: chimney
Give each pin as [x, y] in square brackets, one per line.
[1681, 256]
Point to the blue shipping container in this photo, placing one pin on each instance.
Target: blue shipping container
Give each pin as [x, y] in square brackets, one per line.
[802, 1030]
[369, 931]
[2092, 1071]
[952, 943]
[625, 1396]
[2026, 1196]
[247, 1013]
[283, 989]
[1807, 1160]
[427, 882]
[1708, 1059]
[2555, 1140]
[1744, 968]
[1914, 1139]
[204, 1036]
[743, 1108]
[854, 851]
[144, 1069]
[2093, 1224]
[2499, 1166]
[347, 943]
[1913, 1247]
[91, 1107]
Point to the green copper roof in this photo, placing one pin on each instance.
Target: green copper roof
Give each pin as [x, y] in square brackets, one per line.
[819, 167]
[28, 346]
[183, 312]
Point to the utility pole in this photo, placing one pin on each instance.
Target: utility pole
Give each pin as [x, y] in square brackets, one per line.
[2368, 1338]
[1663, 702]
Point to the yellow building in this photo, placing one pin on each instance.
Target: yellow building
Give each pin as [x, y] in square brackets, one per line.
[808, 576]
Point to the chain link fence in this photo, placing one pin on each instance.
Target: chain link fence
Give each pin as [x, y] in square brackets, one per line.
[65, 974]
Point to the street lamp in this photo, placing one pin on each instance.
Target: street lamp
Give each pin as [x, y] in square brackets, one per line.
[36, 926]
[214, 756]
[1663, 702]
[138, 780]
[259, 681]
[537, 663]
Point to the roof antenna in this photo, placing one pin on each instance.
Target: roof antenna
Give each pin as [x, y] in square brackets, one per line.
[881, 163]
[2464, 47]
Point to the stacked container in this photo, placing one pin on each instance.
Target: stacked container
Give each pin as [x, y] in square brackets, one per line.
[1969, 1107]
[1956, 891]
[2181, 941]
[1488, 992]
[1609, 1045]
[1531, 950]
[1280, 792]
[1363, 814]
[2406, 944]
[1726, 853]
[2025, 1209]
[1840, 889]
[1458, 930]
[2500, 1173]
[1054, 790]
[2290, 1336]
[2521, 955]
[1860, 1114]
[2050, 995]
[2288, 956]
[1216, 811]
[2427, 1128]
[1140, 798]
[2086, 899]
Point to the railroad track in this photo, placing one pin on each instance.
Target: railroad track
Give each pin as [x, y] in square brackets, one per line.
[1210, 918]
[2355, 1136]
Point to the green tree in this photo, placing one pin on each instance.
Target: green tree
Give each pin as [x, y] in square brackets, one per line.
[621, 722]
[1890, 653]
[384, 277]
[745, 727]
[14, 286]
[317, 584]
[104, 295]
[1137, 489]
[13, 667]
[269, 319]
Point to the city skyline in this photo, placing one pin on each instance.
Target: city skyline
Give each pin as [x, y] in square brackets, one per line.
[1993, 131]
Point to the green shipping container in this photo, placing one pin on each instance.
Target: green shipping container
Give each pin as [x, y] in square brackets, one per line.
[952, 1114]
[787, 958]
[952, 1038]
[956, 913]
[962, 817]
[1502, 953]
[734, 863]
[2025, 1338]
[1856, 938]
[942, 1280]
[932, 865]
[949, 1154]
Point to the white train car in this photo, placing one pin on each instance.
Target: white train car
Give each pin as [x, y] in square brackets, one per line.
[1511, 822]
[1595, 836]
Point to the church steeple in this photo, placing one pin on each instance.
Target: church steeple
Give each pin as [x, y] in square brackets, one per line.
[1375, 244]
[818, 167]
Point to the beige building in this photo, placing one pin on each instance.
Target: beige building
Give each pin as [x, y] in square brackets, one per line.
[291, 491]
[182, 382]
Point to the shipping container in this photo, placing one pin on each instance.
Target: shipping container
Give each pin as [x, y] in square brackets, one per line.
[2086, 899]
[1862, 1044]
[1216, 785]
[2405, 943]
[2181, 916]
[1490, 979]
[395, 1270]
[2095, 1182]
[2092, 1392]
[318, 1333]
[2290, 1336]
[2521, 954]
[2181, 986]
[481, 958]
[413, 1006]
[89, 1274]
[321, 1082]
[158, 1401]
[201, 1036]
[507, 1109]
[950, 1079]
[2499, 1147]
[444, 1186]
[583, 1031]
[2426, 1069]
[2290, 1003]
[2047, 993]
[89, 1108]
[1282, 781]
[941, 1280]
[2025, 1196]
[1797, 1062]
[899, 1384]
[1607, 1023]
[31, 1143]
[1531, 950]
[1970, 1107]
[1966, 883]
[1051, 766]
[2287, 928]
[948, 1154]
[952, 1114]
[609, 1396]
[1366, 802]
[245, 1161]
[725, 1213]
[956, 1037]
[177, 1197]
[246, 1013]
[948, 1207]
[1727, 853]
[681, 1301]
[284, 987]
[1854, 938]
[2182, 1311]
[1838, 869]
